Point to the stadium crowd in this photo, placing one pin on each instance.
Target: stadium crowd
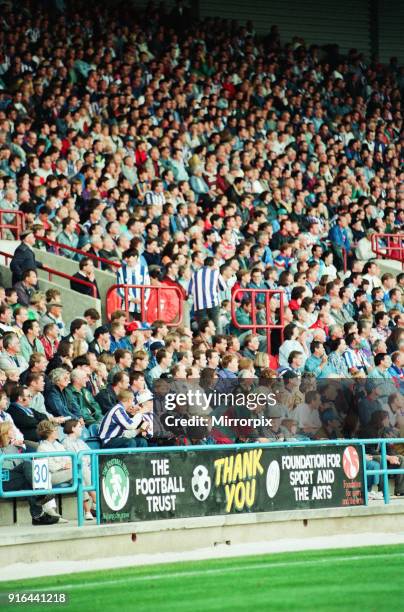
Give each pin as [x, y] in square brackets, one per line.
[196, 156]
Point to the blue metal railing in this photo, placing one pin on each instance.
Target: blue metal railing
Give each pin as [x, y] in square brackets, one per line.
[384, 471]
[78, 459]
[71, 488]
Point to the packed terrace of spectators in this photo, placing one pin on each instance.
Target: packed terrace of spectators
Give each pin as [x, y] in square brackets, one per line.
[196, 155]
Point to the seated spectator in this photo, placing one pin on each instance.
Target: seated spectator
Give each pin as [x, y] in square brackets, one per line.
[69, 237]
[307, 414]
[37, 306]
[101, 342]
[122, 426]
[6, 318]
[92, 318]
[24, 417]
[26, 287]
[36, 385]
[80, 402]
[11, 356]
[85, 273]
[73, 442]
[20, 476]
[5, 417]
[63, 357]
[317, 362]
[20, 314]
[29, 342]
[118, 337]
[38, 365]
[107, 398]
[60, 467]
[54, 315]
[50, 340]
[56, 400]
[123, 362]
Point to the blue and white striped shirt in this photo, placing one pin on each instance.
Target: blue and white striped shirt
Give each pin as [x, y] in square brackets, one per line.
[133, 276]
[356, 359]
[151, 198]
[205, 287]
[114, 423]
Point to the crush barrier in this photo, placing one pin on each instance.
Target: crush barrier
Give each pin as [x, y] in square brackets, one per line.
[254, 326]
[156, 302]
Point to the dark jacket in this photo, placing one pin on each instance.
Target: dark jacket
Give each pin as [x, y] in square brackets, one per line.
[95, 348]
[24, 293]
[27, 423]
[56, 403]
[106, 399]
[84, 289]
[23, 259]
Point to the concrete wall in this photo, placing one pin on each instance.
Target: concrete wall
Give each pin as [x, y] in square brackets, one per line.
[74, 301]
[74, 304]
[68, 266]
[68, 542]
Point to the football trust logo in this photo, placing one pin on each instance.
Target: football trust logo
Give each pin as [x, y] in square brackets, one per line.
[115, 484]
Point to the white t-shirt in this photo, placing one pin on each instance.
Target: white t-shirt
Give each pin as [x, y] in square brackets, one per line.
[307, 417]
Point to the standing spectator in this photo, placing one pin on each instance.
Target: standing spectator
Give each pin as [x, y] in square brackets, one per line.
[24, 257]
[133, 272]
[205, 287]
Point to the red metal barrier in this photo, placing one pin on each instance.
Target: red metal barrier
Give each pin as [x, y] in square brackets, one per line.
[158, 291]
[389, 246]
[268, 325]
[52, 272]
[58, 246]
[17, 227]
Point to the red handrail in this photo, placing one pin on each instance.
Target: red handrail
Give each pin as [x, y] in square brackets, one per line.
[268, 325]
[143, 301]
[52, 272]
[17, 227]
[59, 246]
[388, 246]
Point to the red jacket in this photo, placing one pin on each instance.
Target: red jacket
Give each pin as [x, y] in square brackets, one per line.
[49, 347]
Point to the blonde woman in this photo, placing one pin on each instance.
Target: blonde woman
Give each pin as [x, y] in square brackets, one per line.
[80, 348]
[261, 362]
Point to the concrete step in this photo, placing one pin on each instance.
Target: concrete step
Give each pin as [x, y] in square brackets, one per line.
[67, 542]
[6, 512]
